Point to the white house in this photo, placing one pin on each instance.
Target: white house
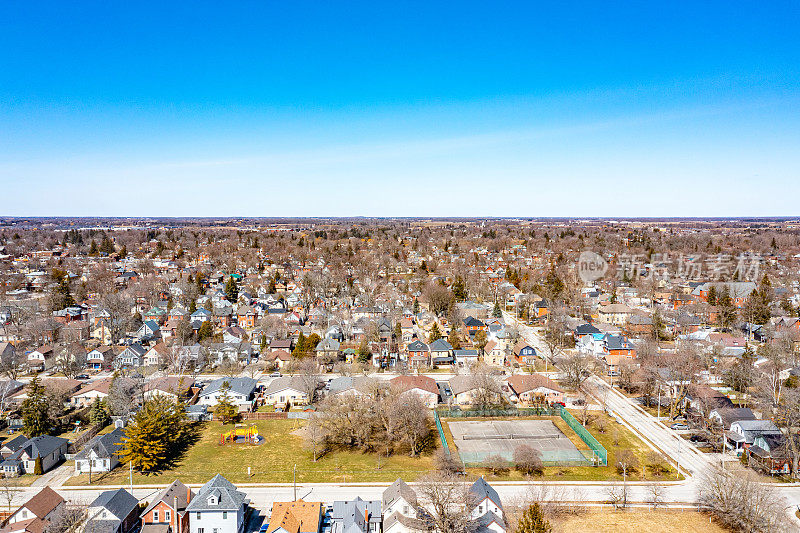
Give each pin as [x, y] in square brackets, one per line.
[487, 508]
[218, 508]
[286, 390]
[400, 509]
[240, 391]
[100, 453]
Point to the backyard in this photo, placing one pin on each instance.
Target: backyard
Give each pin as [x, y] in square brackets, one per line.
[270, 462]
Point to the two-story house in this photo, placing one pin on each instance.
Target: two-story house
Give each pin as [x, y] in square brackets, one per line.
[218, 508]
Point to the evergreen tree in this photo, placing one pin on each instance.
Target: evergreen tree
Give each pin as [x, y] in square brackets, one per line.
[225, 411]
[155, 432]
[460, 289]
[231, 290]
[712, 295]
[300, 347]
[37, 466]
[533, 521]
[454, 339]
[481, 340]
[206, 331]
[435, 333]
[497, 312]
[415, 310]
[93, 248]
[726, 311]
[35, 413]
[123, 252]
[98, 414]
[364, 352]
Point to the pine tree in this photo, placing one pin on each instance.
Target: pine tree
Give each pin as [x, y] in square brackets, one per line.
[225, 411]
[300, 348]
[154, 432]
[123, 252]
[454, 339]
[712, 295]
[98, 415]
[38, 470]
[459, 289]
[206, 331]
[35, 413]
[533, 521]
[231, 290]
[435, 333]
[93, 248]
[415, 310]
[497, 313]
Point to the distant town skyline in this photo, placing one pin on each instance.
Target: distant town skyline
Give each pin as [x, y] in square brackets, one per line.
[325, 109]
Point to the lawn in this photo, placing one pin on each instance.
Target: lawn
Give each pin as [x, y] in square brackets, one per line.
[270, 462]
[636, 521]
[614, 437]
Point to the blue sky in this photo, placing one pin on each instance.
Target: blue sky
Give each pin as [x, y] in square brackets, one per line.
[400, 109]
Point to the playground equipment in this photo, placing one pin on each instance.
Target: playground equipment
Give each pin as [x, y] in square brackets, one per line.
[241, 434]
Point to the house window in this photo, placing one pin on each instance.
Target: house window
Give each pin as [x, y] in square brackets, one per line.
[224, 515]
[105, 514]
[200, 529]
[155, 516]
[480, 508]
[167, 516]
[405, 509]
[198, 517]
[215, 530]
[24, 513]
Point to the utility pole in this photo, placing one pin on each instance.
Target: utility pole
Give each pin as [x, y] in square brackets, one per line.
[294, 480]
[659, 402]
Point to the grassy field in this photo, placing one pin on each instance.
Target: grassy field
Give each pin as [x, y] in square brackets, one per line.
[271, 461]
[637, 521]
[614, 437]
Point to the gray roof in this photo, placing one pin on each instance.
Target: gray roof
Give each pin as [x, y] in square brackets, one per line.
[482, 490]
[240, 385]
[348, 516]
[285, 382]
[417, 346]
[397, 490]
[103, 445]
[344, 383]
[119, 502]
[16, 443]
[42, 446]
[223, 491]
[176, 490]
[440, 345]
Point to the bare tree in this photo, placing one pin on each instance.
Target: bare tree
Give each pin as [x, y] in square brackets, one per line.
[450, 503]
[528, 460]
[486, 391]
[655, 495]
[8, 490]
[618, 495]
[576, 368]
[741, 503]
[444, 462]
[67, 518]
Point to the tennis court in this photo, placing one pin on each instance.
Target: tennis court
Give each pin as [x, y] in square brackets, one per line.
[478, 440]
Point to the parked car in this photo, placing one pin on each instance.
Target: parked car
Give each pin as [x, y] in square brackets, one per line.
[275, 374]
[82, 376]
[679, 426]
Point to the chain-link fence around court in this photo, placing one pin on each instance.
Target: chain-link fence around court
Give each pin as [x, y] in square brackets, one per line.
[489, 437]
